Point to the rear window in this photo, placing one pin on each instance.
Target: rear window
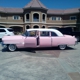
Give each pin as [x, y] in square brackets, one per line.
[53, 34]
[10, 30]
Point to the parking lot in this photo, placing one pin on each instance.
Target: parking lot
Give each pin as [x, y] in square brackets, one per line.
[40, 64]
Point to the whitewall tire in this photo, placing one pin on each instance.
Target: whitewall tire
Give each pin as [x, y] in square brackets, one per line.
[12, 47]
[62, 47]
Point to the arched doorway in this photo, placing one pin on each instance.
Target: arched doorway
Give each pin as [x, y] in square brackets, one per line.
[27, 27]
[36, 26]
[17, 29]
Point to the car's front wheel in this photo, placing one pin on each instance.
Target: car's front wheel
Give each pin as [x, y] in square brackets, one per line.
[62, 47]
[11, 47]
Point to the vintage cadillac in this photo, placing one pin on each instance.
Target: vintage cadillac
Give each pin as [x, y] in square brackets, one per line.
[38, 38]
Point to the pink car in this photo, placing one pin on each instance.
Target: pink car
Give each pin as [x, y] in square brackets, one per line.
[36, 38]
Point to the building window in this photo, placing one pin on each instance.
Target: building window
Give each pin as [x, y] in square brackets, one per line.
[27, 17]
[43, 26]
[59, 18]
[73, 17]
[35, 17]
[43, 18]
[16, 17]
[53, 18]
[36, 26]
[27, 27]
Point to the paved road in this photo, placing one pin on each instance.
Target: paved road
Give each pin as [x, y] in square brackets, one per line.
[46, 64]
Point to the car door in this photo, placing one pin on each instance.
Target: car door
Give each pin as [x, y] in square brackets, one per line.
[45, 39]
[55, 39]
[30, 40]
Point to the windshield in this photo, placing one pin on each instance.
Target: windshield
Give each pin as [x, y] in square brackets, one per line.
[10, 30]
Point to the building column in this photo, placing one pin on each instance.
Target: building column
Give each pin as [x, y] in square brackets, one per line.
[24, 28]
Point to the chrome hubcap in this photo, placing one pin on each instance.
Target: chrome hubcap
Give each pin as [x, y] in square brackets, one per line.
[62, 47]
[12, 47]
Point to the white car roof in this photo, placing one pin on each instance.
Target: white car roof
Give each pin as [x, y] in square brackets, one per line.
[45, 29]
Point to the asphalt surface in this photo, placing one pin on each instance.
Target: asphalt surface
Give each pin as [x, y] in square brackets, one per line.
[40, 64]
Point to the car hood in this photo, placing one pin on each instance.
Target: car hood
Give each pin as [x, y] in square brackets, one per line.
[14, 37]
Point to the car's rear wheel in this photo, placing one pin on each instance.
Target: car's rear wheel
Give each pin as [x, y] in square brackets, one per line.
[62, 47]
[12, 47]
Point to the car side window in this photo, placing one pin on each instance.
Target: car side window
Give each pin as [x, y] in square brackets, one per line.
[32, 33]
[2, 30]
[44, 33]
[25, 34]
[54, 34]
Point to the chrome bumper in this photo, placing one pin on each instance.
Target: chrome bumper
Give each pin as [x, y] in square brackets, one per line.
[76, 42]
[3, 45]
